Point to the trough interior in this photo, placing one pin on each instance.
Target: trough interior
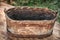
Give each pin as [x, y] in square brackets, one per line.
[29, 14]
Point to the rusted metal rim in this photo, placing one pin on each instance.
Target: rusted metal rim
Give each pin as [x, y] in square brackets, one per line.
[55, 12]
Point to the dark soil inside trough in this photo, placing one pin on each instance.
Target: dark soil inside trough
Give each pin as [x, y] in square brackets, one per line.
[29, 14]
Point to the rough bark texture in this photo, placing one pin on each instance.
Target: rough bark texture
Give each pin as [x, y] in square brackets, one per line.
[3, 36]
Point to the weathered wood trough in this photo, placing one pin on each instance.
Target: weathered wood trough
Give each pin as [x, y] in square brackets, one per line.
[30, 22]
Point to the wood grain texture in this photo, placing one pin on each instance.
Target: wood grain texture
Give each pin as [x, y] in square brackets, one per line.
[3, 36]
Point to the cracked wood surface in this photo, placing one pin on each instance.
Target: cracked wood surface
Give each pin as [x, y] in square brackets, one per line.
[3, 36]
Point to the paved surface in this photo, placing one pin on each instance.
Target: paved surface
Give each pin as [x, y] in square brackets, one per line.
[3, 36]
